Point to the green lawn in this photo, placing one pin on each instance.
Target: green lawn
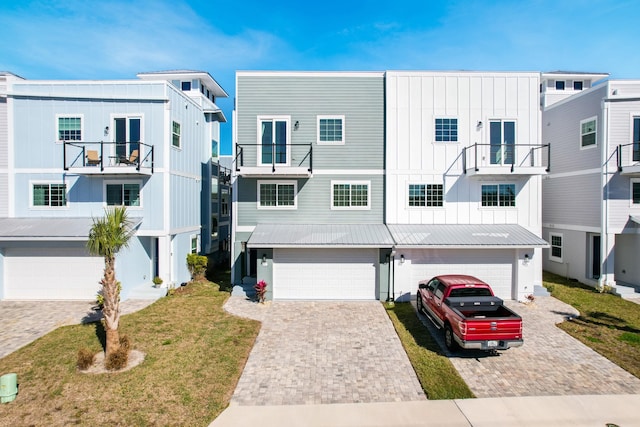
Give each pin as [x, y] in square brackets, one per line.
[608, 324]
[438, 377]
[195, 353]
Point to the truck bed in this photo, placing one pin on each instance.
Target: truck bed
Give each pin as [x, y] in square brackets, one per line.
[471, 308]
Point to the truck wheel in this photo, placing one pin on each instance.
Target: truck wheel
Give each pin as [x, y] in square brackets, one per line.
[449, 341]
[419, 304]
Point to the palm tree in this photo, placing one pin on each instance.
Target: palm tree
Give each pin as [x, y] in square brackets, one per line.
[107, 236]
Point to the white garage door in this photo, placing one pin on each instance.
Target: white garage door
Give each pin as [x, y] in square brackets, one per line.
[494, 266]
[340, 274]
[53, 273]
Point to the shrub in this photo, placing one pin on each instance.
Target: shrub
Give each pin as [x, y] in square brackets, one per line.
[85, 358]
[261, 290]
[197, 265]
[117, 360]
[157, 281]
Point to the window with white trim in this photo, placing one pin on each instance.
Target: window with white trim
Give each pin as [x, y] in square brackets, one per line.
[122, 194]
[330, 129]
[48, 195]
[555, 252]
[559, 84]
[635, 192]
[498, 195]
[425, 195]
[194, 244]
[350, 195]
[273, 140]
[588, 133]
[636, 139]
[277, 195]
[446, 130]
[69, 128]
[175, 134]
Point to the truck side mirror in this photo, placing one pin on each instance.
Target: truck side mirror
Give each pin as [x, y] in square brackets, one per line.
[422, 286]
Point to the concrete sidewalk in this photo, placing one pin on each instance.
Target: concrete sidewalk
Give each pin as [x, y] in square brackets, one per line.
[582, 411]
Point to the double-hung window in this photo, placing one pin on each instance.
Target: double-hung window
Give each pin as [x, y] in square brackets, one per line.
[425, 195]
[350, 195]
[122, 194]
[446, 130]
[175, 134]
[588, 133]
[49, 195]
[69, 128]
[498, 195]
[277, 195]
[330, 129]
[273, 140]
[555, 253]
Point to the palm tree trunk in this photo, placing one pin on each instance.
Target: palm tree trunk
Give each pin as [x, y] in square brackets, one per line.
[111, 309]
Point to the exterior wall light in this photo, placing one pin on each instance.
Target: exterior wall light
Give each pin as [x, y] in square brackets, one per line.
[264, 260]
[526, 259]
[401, 259]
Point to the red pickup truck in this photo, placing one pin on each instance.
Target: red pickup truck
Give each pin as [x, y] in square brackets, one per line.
[472, 317]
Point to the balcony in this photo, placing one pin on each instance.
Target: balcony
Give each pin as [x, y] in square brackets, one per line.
[628, 156]
[274, 160]
[506, 159]
[108, 158]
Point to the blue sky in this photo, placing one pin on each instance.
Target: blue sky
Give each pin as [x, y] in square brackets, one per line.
[89, 39]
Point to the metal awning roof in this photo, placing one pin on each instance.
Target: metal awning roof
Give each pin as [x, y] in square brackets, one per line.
[465, 236]
[320, 236]
[61, 229]
[635, 218]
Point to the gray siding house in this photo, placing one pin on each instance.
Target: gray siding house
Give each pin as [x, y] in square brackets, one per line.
[591, 200]
[308, 174]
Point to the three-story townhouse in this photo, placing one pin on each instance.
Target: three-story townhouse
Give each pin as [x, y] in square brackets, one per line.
[78, 147]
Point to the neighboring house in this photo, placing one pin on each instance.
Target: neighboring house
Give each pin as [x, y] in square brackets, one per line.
[591, 200]
[217, 232]
[464, 164]
[359, 185]
[77, 147]
[5, 79]
[309, 185]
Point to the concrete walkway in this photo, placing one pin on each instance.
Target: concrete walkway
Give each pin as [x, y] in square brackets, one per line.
[325, 352]
[25, 321]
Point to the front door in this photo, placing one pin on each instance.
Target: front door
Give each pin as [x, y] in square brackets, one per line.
[596, 259]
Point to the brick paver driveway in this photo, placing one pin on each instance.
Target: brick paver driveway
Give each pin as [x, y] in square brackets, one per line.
[326, 352]
[550, 362]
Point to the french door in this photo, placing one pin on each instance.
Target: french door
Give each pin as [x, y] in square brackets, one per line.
[127, 136]
[502, 140]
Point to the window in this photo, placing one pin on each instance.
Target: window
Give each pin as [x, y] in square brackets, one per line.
[214, 226]
[276, 195]
[425, 195]
[502, 140]
[636, 139]
[555, 253]
[447, 130]
[330, 129]
[353, 195]
[49, 195]
[175, 134]
[194, 244]
[123, 194]
[559, 84]
[273, 140]
[224, 203]
[127, 136]
[635, 192]
[186, 86]
[577, 85]
[588, 133]
[498, 195]
[70, 128]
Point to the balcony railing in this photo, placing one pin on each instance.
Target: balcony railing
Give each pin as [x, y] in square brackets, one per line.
[108, 157]
[274, 159]
[519, 159]
[628, 158]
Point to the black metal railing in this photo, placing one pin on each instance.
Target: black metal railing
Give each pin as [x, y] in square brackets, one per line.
[628, 154]
[101, 154]
[513, 155]
[275, 155]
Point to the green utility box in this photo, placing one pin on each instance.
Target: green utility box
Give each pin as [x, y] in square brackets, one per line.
[8, 387]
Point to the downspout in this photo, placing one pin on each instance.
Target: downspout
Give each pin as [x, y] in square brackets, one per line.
[604, 206]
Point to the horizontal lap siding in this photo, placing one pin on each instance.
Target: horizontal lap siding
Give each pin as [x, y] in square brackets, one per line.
[573, 200]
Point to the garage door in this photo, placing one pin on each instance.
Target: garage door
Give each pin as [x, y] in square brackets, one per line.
[340, 274]
[494, 266]
[53, 273]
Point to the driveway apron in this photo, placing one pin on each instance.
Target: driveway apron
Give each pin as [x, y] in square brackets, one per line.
[550, 362]
[326, 352]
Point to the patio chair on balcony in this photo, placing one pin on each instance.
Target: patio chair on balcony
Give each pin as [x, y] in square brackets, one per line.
[93, 159]
[132, 160]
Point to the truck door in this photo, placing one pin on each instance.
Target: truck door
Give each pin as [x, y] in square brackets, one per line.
[436, 300]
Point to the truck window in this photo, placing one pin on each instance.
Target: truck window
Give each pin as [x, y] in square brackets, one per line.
[439, 291]
[470, 292]
[432, 285]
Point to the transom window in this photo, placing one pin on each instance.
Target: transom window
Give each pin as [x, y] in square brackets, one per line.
[50, 195]
[555, 253]
[635, 192]
[277, 195]
[588, 132]
[331, 129]
[423, 195]
[502, 195]
[123, 194]
[350, 195]
[69, 128]
[175, 134]
[446, 130]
